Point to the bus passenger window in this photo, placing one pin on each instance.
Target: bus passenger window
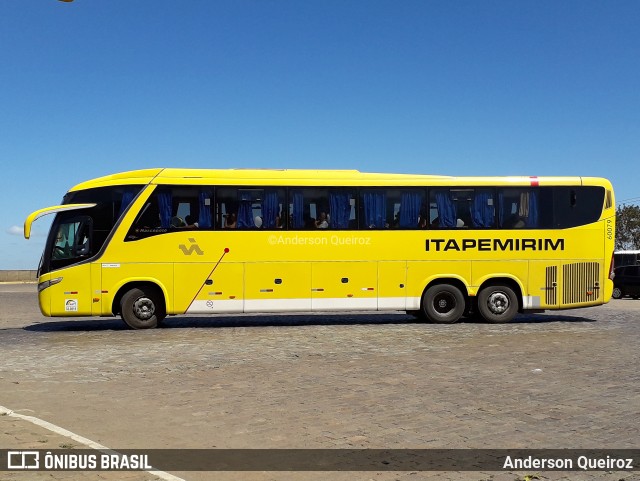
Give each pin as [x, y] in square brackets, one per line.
[314, 208]
[442, 209]
[518, 208]
[393, 208]
[482, 208]
[172, 208]
[574, 206]
[250, 208]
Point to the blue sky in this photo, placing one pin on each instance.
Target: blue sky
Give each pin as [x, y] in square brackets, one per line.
[443, 87]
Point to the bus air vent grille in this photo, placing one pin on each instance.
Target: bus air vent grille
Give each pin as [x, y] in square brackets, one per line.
[550, 287]
[580, 282]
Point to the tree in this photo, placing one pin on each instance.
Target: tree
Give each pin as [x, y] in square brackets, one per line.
[628, 227]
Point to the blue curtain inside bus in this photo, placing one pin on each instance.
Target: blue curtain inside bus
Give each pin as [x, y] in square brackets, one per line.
[482, 211]
[164, 204]
[127, 197]
[501, 208]
[297, 213]
[410, 203]
[447, 216]
[245, 212]
[204, 213]
[340, 209]
[270, 208]
[532, 219]
[375, 209]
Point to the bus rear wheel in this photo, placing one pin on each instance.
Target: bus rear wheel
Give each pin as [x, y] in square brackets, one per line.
[443, 304]
[142, 308]
[497, 304]
[617, 293]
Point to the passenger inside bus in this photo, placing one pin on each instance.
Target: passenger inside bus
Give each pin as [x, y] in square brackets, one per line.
[322, 222]
[190, 223]
[230, 221]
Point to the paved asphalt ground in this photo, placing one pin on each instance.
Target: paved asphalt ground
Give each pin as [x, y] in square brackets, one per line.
[557, 380]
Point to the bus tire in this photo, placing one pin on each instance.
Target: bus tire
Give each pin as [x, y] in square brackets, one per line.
[443, 304]
[617, 293]
[497, 304]
[142, 308]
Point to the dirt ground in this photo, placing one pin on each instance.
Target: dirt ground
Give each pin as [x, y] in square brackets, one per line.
[556, 380]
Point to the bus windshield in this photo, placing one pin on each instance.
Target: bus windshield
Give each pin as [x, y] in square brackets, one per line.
[78, 235]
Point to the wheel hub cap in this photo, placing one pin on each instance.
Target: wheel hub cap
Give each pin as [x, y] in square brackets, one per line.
[143, 308]
[498, 302]
[443, 303]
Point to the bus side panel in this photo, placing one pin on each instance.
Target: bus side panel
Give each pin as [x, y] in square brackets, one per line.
[277, 286]
[544, 286]
[344, 285]
[70, 297]
[225, 293]
[117, 275]
[609, 244]
[189, 285]
[96, 284]
[421, 273]
[392, 280]
[484, 271]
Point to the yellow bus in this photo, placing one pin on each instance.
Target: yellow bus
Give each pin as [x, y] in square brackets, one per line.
[150, 243]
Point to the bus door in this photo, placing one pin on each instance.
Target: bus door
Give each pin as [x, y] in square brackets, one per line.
[344, 285]
[96, 286]
[72, 246]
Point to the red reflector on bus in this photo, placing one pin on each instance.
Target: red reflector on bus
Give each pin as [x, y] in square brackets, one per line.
[534, 181]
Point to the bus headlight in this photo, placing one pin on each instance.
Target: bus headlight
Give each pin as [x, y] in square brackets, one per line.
[43, 285]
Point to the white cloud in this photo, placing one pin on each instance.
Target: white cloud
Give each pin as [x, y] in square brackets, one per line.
[14, 230]
[36, 233]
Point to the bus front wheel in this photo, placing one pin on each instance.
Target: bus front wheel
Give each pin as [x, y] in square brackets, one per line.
[443, 304]
[142, 308]
[497, 304]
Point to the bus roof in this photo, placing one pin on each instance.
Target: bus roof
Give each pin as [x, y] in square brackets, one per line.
[317, 177]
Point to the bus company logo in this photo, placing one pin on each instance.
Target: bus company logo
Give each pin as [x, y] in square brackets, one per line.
[444, 245]
[187, 251]
[23, 460]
